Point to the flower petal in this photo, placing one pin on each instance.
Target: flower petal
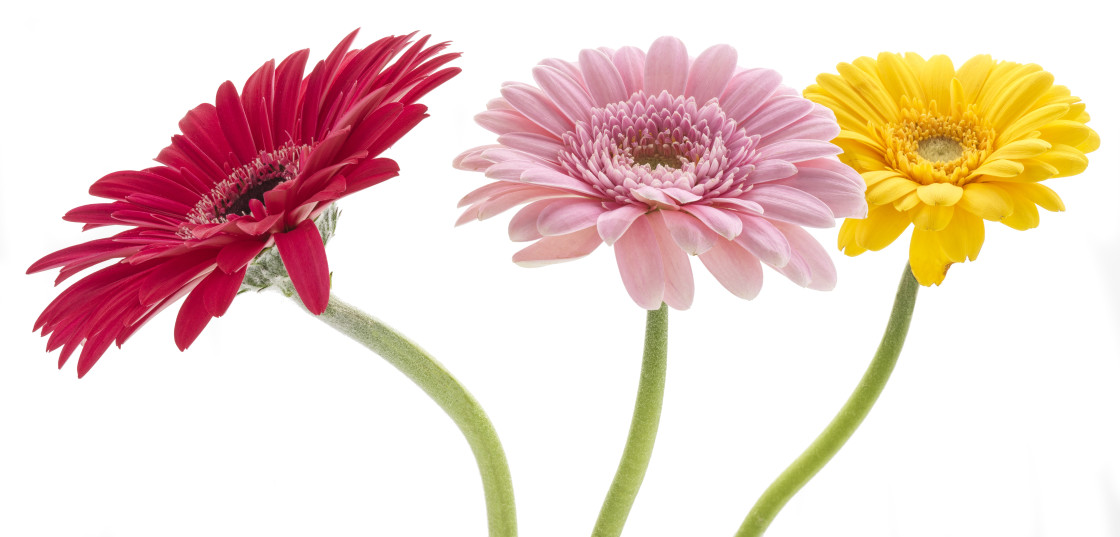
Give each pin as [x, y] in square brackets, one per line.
[640, 264]
[734, 268]
[558, 249]
[666, 70]
[709, 74]
[305, 259]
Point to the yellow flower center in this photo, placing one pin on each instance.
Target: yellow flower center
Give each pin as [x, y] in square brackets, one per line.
[934, 148]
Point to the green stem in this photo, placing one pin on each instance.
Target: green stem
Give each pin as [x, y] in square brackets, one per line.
[846, 421]
[445, 390]
[643, 429]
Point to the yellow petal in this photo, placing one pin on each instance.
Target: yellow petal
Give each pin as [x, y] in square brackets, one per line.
[1020, 149]
[870, 89]
[1092, 143]
[1024, 215]
[1031, 122]
[998, 168]
[876, 176]
[907, 202]
[1039, 194]
[853, 137]
[1068, 160]
[936, 79]
[927, 262]
[846, 240]
[957, 101]
[986, 200]
[881, 227]
[932, 218]
[889, 189]
[973, 74]
[1064, 131]
[962, 238]
[940, 194]
[843, 93]
[1017, 100]
[898, 78]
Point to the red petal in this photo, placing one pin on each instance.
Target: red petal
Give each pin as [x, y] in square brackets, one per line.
[304, 257]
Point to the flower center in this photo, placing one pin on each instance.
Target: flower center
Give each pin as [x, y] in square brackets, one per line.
[935, 148]
[231, 197]
[661, 142]
[940, 149]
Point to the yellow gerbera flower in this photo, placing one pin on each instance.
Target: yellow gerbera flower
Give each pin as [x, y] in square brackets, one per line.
[946, 149]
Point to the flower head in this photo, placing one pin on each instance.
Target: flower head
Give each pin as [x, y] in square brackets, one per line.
[661, 155]
[248, 172]
[945, 149]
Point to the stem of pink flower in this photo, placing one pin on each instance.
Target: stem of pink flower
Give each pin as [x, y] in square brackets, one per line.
[846, 421]
[446, 391]
[643, 428]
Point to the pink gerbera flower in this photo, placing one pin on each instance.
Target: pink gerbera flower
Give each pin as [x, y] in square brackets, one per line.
[662, 155]
[249, 172]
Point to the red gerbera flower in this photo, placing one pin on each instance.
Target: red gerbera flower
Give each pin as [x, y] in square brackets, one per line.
[249, 171]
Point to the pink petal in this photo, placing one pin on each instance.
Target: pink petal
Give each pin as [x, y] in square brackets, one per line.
[302, 252]
[640, 264]
[546, 177]
[536, 106]
[761, 238]
[507, 121]
[821, 270]
[747, 91]
[835, 184]
[569, 215]
[798, 150]
[613, 224]
[523, 225]
[566, 93]
[654, 197]
[558, 249]
[603, 79]
[630, 62]
[666, 70]
[820, 124]
[724, 222]
[776, 115]
[734, 268]
[709, 74]
[789, 204]
[689, 233]
[679, 285]
[771, 170]
[539, 145]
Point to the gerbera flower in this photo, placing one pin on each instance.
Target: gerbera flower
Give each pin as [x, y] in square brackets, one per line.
[248, 172]
[945, 149]
[662, 155]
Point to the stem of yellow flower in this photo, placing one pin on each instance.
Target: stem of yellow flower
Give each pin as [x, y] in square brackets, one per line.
[446, 391]
[643, 428]
[846, 421]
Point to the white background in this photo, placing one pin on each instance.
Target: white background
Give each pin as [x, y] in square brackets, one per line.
[1001, 418]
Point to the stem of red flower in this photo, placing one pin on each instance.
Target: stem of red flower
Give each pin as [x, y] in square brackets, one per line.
[846, 421]
[643, 428]
[446, 391]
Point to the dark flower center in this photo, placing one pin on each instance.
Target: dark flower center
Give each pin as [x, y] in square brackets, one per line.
[232, 196]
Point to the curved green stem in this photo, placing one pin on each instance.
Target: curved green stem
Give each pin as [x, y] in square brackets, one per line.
[643, 429]
[846, 421]
[446, 391]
